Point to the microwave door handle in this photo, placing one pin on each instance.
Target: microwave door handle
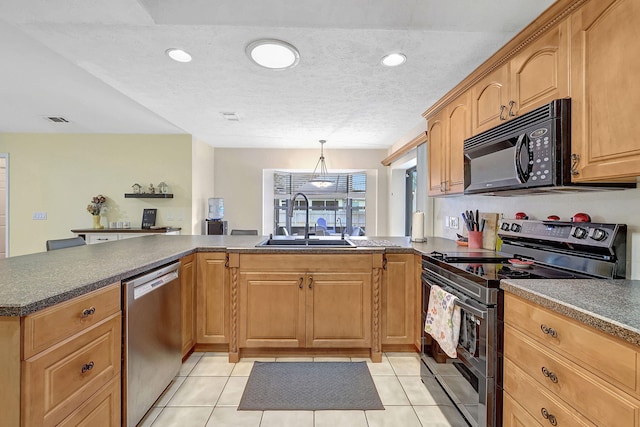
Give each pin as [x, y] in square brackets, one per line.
[520, 174]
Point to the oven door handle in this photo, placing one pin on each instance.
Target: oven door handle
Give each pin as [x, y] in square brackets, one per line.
[470, 309]
[459, 301]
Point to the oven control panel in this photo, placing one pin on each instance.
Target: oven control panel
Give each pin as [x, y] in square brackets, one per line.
[584, 233]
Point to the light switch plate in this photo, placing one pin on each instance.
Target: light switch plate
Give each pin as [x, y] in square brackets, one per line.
[39, 216]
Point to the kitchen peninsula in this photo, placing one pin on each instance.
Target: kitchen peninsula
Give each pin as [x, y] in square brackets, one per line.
[224, 271]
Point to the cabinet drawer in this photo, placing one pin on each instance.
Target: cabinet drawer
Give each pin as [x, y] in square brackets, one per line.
[100, 238]
[101, 410]
[536, 400]
[57, 381]
[51, 325]
[612, 360]
[588, 394]
[514, 415]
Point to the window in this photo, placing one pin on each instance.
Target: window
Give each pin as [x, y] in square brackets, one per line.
[342, 205]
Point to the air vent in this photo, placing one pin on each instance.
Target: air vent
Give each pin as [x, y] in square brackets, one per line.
[57, 119]
[232, 117]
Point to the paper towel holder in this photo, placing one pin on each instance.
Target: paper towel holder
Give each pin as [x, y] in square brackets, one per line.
[417, 227]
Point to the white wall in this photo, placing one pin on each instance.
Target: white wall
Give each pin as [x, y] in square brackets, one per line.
[608, 207]
[238, 177]
[202, 160]
[60, 173]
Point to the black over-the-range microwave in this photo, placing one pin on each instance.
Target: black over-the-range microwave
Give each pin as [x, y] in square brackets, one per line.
[527, 155]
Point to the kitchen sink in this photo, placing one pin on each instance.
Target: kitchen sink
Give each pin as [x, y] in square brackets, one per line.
[293, 241]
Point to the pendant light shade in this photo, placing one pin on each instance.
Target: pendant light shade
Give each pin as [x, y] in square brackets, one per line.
[320, 178]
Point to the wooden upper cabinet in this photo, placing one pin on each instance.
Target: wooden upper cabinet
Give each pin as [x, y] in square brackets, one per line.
[605, 67]
[540, 72]
[490, 97]
[436, 150]
[447, 131]
[459, 117]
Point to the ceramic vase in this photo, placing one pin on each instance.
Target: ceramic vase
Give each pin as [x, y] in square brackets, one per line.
[96, 222]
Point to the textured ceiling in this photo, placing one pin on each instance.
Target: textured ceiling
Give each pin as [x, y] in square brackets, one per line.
[101, 64]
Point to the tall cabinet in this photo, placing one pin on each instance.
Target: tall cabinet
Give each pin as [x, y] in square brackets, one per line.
[605, 39]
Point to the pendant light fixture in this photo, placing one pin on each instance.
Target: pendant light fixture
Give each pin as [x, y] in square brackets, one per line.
[320, 179]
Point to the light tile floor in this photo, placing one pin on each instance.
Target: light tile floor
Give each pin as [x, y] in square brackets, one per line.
[207, 392]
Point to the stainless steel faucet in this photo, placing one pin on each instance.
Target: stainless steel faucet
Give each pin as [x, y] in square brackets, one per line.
[290, 212]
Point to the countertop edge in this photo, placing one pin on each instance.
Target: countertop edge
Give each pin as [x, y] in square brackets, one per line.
[12, 310]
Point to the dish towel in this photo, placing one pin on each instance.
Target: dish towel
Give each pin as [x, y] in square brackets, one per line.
[443, 320]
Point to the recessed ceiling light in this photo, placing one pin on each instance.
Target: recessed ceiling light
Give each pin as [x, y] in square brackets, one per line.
[178, 55]
[273, 54]
[394, 59]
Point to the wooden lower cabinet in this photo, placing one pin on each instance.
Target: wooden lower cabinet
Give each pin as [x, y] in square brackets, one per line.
[338, 310]
[398, 299]
[101, 410]
[272, 309]
[61, 366]
[212, 311]
[558, 368]
[322, 310]
[515, 415]
[188, 301]
[308, 301]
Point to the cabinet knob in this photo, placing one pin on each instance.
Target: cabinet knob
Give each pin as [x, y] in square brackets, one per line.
[87, 367]
[548, 416]
[88, 312]
[549, 331]
[547, 373]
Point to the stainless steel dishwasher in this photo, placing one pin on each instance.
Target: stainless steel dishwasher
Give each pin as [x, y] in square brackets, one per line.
[152, 345]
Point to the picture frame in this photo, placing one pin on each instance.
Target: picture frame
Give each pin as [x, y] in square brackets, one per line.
[149, 218]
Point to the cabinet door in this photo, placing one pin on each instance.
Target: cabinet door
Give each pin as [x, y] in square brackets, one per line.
[213, 299]
[436, 148]
[489, 100]
[398, 299]
[188, 300]
[271, 309]
[540, 72]
[338, 310]
[606, 98]
[459, 129]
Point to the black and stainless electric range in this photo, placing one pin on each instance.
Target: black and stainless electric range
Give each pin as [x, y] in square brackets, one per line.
[529, 250]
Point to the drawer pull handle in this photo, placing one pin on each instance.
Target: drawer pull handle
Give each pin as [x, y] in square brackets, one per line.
[547, 373]
[88, 312]
[300, 284]
[311, 282]
[87, 367]
[549, 331]
[547, 416]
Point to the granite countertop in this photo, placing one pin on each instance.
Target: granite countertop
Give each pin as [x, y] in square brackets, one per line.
[611, 306]
[29, 283]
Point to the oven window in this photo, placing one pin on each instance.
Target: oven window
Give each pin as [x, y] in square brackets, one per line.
[469, 332]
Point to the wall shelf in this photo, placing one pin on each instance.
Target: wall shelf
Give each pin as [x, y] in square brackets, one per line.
[148, 196]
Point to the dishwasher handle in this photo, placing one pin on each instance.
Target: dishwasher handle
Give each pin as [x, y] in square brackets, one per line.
[144, 288]
[151, 280]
